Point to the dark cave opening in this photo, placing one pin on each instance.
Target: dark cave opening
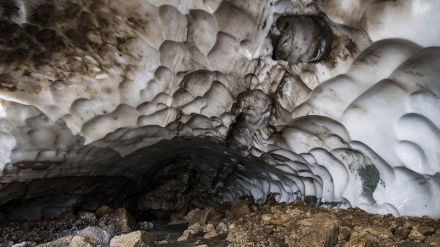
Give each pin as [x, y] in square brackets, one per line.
[152, 181]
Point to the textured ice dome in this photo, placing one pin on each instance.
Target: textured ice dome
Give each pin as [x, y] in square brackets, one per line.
[333, 100]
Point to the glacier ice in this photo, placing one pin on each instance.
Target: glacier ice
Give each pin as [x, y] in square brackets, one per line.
[333, 102]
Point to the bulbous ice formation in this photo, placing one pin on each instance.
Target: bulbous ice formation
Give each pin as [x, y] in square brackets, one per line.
[332, 102]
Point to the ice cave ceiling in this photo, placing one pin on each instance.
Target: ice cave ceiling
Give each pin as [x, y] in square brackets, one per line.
[331, 101]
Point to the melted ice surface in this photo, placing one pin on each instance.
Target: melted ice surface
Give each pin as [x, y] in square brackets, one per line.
[360, 128]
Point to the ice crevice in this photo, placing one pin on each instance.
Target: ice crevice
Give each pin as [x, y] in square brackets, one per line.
[332, 102]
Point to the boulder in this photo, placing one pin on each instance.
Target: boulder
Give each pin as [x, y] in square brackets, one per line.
[133, 239]
[123, 221]
[100, 235]
[240, 208]
[200, 216]
[319, 231]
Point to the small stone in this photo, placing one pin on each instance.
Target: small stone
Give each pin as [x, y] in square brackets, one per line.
[295, 211]
[145, 225]
[410, 223]
[195, 227]
[419, 232]
[103, 210]
[83, 241]
[87, 216]
[133, 239]
[186, 234]
[266, 217]
[110, 228]
[222, 227]
[208, 228]
[280, 218]
[240, 208]
[100, 235]
[402, 231]
[124, 221]
[24, 244]
[160, 242]
[211, 234]
[433, 240]
[344, 233]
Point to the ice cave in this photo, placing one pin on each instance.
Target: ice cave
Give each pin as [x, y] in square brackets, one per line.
[332, 102]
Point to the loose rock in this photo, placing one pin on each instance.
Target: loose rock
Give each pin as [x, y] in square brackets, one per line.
[123, 221]
[100, 235]
[344, 233]
[103, 210]
[133, 239]
[83, 241]
[319, 231]
[433, 240]
[87, 216]
[368, 236]
[145, 225]
[281, 218]
[240, 208]
[419, 232]
[200, 216]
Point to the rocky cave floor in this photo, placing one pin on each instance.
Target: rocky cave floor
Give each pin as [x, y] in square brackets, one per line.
[240, 224]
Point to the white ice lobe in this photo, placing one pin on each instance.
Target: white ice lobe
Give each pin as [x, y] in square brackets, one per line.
[335, 103]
